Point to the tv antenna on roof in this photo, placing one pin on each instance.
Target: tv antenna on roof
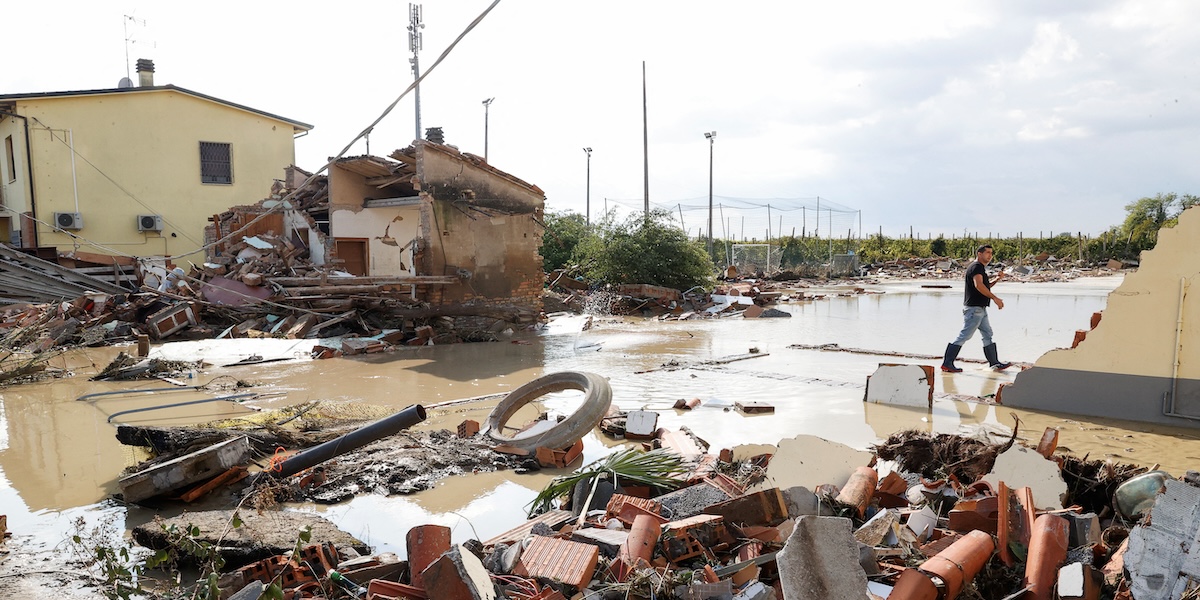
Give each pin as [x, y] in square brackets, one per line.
[129, 38]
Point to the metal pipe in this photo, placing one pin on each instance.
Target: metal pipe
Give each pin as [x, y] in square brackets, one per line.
[141, 391]
[355, 439]
[74, 180]
[235, 397]
[29, 168]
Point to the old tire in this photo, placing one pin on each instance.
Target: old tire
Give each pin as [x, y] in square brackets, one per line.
[597, 397]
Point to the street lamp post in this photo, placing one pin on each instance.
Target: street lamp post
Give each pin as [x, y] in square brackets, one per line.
[588, 214]
[710, 136]
[486, 103]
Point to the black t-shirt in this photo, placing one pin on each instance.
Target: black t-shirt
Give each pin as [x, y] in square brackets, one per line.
[972, 296]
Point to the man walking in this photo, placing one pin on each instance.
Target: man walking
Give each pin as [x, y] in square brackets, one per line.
[977, 296]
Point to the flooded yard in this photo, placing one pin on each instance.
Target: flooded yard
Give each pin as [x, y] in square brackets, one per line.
[59, 458]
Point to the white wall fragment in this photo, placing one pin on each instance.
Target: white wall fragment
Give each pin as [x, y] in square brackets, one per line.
[1020, 467]
[900, 385]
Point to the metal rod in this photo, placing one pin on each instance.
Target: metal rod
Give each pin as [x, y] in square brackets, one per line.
[355, 439]
[235, 397]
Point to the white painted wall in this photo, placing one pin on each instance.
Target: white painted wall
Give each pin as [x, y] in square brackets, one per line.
[383, 227]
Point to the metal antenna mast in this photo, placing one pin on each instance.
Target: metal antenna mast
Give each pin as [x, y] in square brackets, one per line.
[414, 45]
[129, 40]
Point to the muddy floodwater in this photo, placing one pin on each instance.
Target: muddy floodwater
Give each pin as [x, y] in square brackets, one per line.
[59, 458]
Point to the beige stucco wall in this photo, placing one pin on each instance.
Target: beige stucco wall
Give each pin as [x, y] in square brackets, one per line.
[137, 153]
[496, 255]
[1137, 334]
[446, 177]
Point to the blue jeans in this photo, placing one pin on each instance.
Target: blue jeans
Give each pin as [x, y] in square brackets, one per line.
[974, 317]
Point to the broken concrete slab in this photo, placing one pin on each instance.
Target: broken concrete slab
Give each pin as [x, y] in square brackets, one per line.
[641, 424]
[609, 541]
[820, 561]
[691, 500]
[901, 385]
[879, 529]
[262, 535]
[810, 461]
[766, 507]
[1163, 558]
[458, 575]
[801, 501]
[1021, 467]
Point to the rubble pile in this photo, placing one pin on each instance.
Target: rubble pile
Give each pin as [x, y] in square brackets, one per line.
[919, 516]
[1031, 268]
[32, 334]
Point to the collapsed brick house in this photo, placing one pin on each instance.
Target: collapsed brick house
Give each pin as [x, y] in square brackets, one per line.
[430, 225]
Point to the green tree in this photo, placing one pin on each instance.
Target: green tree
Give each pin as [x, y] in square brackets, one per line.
[1146, 216]
[564, 231]
[645, 249]
[938, 247]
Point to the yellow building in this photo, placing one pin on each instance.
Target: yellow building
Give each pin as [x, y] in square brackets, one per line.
[135, 170]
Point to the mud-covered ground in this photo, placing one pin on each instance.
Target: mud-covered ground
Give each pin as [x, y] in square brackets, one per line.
[406, 463]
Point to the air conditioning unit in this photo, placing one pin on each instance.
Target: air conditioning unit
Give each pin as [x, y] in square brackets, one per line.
[72, 220]
[149, 223]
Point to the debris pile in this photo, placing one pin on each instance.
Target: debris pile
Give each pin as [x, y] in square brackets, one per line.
[919, 516]
[33, 334]
[1031, 268]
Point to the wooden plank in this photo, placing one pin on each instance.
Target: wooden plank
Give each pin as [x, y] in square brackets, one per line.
[101, 259]
[369, 280]
[29, 263]
[185, 470]
[347, 289]
[233, 475]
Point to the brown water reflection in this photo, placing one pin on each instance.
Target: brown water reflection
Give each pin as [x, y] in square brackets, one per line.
[57, 453]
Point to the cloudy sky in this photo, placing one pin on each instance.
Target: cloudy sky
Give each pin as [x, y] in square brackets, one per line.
[947, 117]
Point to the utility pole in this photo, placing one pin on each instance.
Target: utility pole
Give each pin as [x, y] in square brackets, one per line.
[711, 136]
[415, 25]
[645, 148]
[588, 214]
[486, 104]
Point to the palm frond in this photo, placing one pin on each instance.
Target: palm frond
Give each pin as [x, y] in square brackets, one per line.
[656, 468]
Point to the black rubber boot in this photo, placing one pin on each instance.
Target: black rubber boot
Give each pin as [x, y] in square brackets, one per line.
[952, 351]
[989, 351]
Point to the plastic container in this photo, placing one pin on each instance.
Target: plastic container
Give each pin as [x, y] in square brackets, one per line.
[1136, 496]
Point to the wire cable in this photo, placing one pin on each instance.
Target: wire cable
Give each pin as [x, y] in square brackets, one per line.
[362, 134]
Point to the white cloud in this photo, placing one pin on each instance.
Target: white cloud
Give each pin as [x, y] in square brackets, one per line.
[1034, 114]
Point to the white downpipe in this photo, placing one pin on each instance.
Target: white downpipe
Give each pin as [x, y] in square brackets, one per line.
[1178, 338]
[1183, 285]
[74, 181]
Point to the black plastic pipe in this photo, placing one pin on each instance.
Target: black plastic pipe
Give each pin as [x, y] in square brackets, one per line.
[355, 439]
